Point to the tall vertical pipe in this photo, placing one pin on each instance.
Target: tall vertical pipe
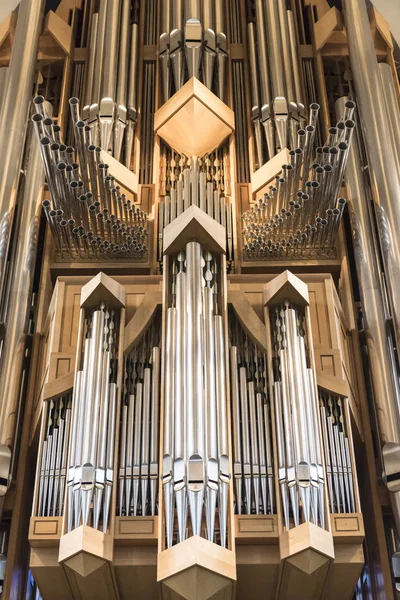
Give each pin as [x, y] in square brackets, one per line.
[385, 175]
[383, 379]
[13, 122]
[19, 301]
[13, 118]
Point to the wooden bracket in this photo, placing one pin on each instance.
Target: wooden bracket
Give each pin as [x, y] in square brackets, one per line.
[140, 321]
[248, 318]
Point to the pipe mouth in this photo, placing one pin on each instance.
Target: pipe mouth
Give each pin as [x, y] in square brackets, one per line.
[53, 213]
[315, 184]
[61, 166]
[73, 101]
[340, 125]
[305, 197]
[319, 150]
[60, 212]
[48, 121]
[343, 146]
[289, 167]
[342, 201]
[314, 106]
[98, 148]
[91, 148]
[332, 130]
[336, 212]
[82, 198]
[350, 124]
[301, 132]
[71, 222]
[56, 128]
[328, 168]
[74, 184]
[333, 150]
[55, 146]
[92, 208]
[325, 150]
[319, 170]
[80, 124]
[37, 117]
[38, 100]
[45, 141]
[310, 129]
[350, 104]
[69, 168]
[46, 203]
[298, 151]
[329, 212]
[75, 166]
[62, 148]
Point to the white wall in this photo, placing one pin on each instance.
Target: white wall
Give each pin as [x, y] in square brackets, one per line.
[7, 6]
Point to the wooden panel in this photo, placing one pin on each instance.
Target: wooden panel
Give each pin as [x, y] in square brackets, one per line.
[136, 530]
[45, 531]
[257, 571]
[136, 572]
[344, 572]
[49, 575]
[348, 528]
[256, 529]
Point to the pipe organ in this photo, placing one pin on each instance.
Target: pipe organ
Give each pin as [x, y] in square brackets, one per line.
[199, 369]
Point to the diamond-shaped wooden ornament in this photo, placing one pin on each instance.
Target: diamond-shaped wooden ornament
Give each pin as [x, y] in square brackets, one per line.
[194, 121]
[197, 569]
[194, 225]
[102, 288]
[307, 552]
[85, 550]
[286, 286]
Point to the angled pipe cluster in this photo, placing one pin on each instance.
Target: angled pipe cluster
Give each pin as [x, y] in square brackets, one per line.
[251, 426]
[90, 478]
[275, 77]
[300, 215]
[139, 435]
[89, 215]
[195, 454]
[110, 105]
[193, 43]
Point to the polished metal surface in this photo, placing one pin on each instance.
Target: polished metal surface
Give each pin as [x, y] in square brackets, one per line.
[385, 175]
[14, 118]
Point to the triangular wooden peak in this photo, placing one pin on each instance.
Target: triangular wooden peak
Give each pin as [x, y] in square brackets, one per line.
[7, 32]
[102, 288]
[286, 286]
[329, 31]
[56, 40]
[194, 121]
[194, 225]
[380, 30]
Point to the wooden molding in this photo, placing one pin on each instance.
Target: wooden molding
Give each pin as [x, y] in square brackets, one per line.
[141, 319]
[332, 384]
[132, 531]
[348, 528]
[265, 174]
[248, 318]
[45, 532]
[58, 387]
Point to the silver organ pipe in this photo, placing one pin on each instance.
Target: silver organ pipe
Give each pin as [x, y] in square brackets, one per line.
[300, 462]
[53, 463]
[203, 182]
[384, 376]
[193, 40]
[139, 427]
[110, 102]
[339, 470]
[300, 215]
[251, 426]
[91, 460]
[275, 76]
[381, 153]
[89, 216]
[196, 468]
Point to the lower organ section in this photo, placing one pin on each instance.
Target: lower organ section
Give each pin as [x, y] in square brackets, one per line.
[196, 433]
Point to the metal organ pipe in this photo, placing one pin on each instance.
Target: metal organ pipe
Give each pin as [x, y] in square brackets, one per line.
[13, 121]
[385, 174]
[19, 303]
[195, 437]
[383, 378]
